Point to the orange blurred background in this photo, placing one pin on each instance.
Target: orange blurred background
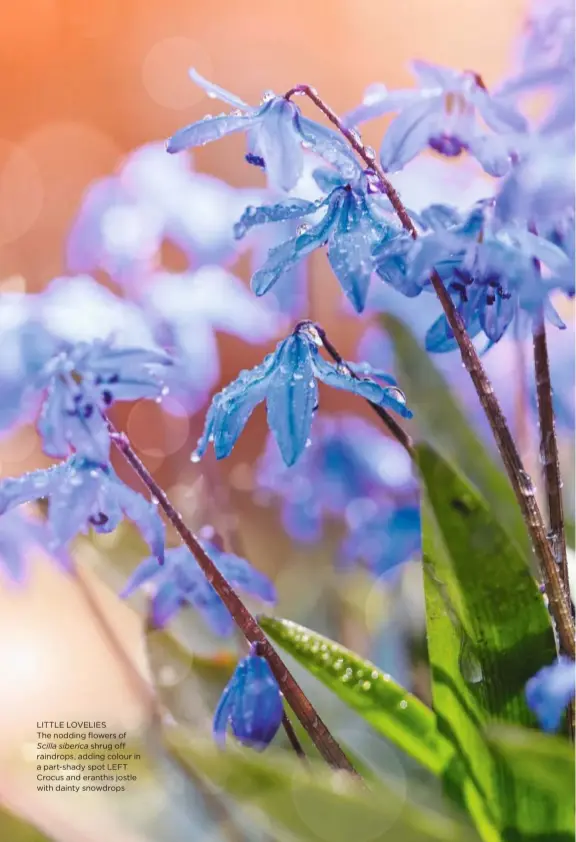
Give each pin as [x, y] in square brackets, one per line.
[84, 82]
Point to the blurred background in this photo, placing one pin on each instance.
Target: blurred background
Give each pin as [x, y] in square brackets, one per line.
[83, 84]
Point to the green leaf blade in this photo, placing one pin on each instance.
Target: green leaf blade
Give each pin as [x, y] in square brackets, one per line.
[390, 709]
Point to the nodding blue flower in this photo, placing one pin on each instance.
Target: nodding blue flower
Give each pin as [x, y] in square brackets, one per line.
[382, 539]
[277, 133]
[84, 495]
[185, 311]
[81, 383]
[350, 220]
[251, 704]
[180, 581]
[442, 114]
[19, 535]
[549, 692]
[491, 273]
[348, 464]
[286, 380]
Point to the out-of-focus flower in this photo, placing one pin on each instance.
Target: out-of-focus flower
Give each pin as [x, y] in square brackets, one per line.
[124, 218]
[549, 692]
[84, 495]
[286, 379]
[352, 220]
[181, 582]
[442, 114]
[349, 465]
[251, 704]
[185, 311]
[81, 383]
[276, 131]
[384, 539]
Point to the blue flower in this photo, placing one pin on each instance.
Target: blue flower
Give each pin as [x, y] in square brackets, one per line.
[276, 133]
[286, 379]
[251, 703]
[352, 221]
[490, 272]
[383, 540]
[443, 115]
[185, 311]
[549, 692]
[81, 383]
[348, 464]
[180, 581]
[82, 495]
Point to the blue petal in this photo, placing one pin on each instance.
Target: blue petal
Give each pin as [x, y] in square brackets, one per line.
[435, 75]
[145, 571]
[286, 255]
[210, 128]
[499, 115]
[350, 253]
[145, 515]
[287, 209]
[338, 378]
[495, 318]
[166, 603]
[215, 91]
[204, 599]
[280, 143]
[225, 706]
[331, 146]
[408, 134]
[240, 573]
[291, 398]
[379, 100]
[73, 502]
[549, 692]
[492, 152]
[31, 486]
[327, 179]
[257, 711]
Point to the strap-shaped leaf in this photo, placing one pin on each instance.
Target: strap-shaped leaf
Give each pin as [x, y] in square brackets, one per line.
[488, 633]
[389, 708]
[310, 803]
[443, 424]
[15, 829]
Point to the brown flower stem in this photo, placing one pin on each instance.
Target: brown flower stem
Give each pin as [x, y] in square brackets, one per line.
[293, 739]
[246, 622]
[387, 419]
[520, 480]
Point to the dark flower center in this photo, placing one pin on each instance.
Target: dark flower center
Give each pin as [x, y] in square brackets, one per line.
[447, 145]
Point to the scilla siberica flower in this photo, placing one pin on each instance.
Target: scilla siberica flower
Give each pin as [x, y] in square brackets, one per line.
[352, 221]
[251, 704]
[84, 495]
[181, 582]
[81, 383]
[549, 692]
[286, 379]
[491, 274]
[19, 535]
[442, 114]
[276, 129]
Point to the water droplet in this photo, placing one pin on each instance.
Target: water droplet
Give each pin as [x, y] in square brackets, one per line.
[366, 685]
[374, 674]
[195, 457]
[469, 664]
[267, 96]
[302, 228]
[355, 135]
[370, 153]
[403, 704]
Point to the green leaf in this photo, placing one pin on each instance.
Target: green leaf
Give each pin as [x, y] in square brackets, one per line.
[389, 708]
[443, 424]
[15, 829]
[488, 633]
[310, 802]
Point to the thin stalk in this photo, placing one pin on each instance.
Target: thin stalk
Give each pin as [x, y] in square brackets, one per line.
[520, 480]
[246, 622]
[293, 739]
[549, 455]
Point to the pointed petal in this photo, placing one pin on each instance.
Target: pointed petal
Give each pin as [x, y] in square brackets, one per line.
[495, 318]
[287, 209]
[280, 143]
[31, 486]
[379, 100]
[291, 398]
[73, 502]
[408, 134]
[204, 599]
[350, 250]
[145, 571]
[210, 128]
[226, 703]
[330, 146]
[166, 603]
[258, 708]
[145, 515]
[499, 115]
[241, 574]
[552, 256]
[492, 152]
[215, 91]
[435, 76]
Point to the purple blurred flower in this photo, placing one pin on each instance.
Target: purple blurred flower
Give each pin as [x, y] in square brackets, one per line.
[384, 539]
[82, 495]
[442, 114]
[19, 534]
[181, 581]
[549, 692]
[348, 466]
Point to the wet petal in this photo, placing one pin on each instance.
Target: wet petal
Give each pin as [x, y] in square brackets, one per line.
[280, 143]
[208, 129]
[215, 91]
[409, 133]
